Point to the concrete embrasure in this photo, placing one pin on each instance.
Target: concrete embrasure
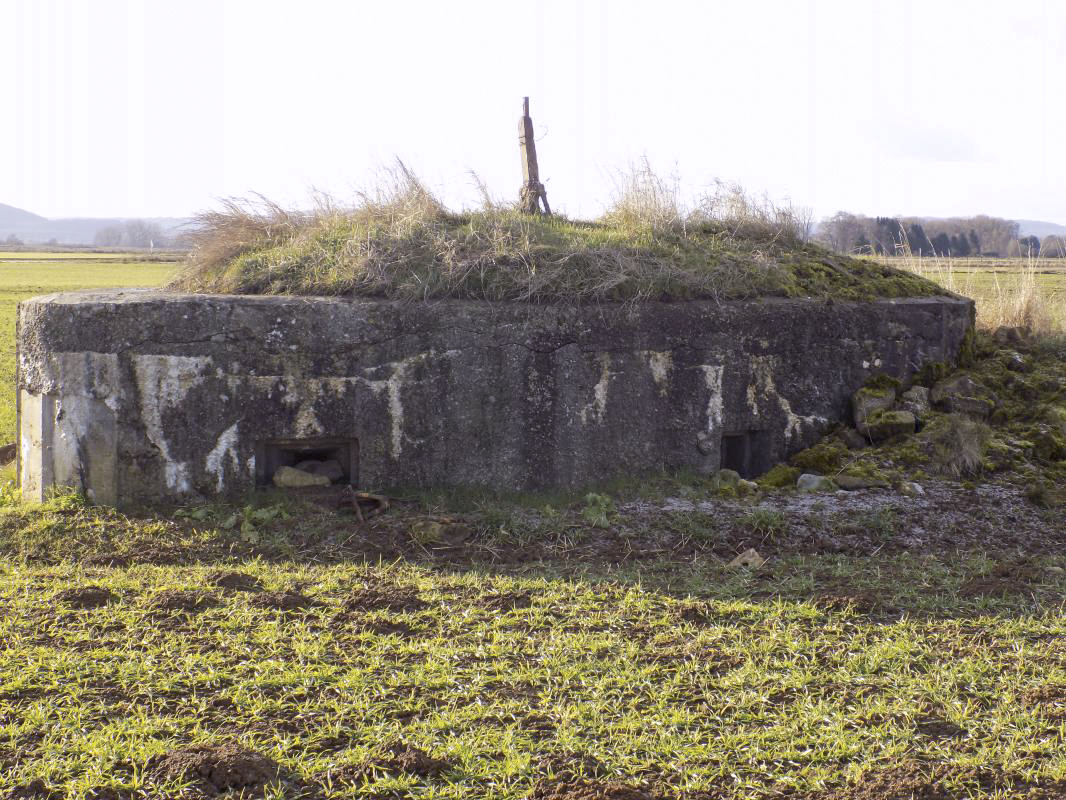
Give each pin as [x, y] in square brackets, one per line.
[142, 396]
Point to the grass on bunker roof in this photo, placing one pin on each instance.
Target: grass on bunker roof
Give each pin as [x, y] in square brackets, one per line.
[401, 242]
[447, 665]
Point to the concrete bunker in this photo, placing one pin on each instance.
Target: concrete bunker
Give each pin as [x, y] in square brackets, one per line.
[138, 396]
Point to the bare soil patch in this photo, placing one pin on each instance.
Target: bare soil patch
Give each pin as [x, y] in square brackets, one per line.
[189, 600]
[1003, 579]
[218, 769]
[86, 597]
[936, 727]
[385, 598]
[34, 790]
[234, 581]
[915, 781]
[287, 600]
[507, 601]
[590, 790]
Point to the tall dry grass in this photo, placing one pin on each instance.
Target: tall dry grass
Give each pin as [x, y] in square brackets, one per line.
[645, 199]
[400, 241]
[1015, 298]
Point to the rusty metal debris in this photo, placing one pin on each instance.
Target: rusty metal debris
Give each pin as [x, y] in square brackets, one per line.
[363, 504]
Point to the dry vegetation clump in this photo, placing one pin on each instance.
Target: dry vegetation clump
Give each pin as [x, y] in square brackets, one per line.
[401, 242]
[1015, 299]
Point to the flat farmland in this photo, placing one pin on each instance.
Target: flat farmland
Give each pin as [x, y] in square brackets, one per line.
[24, 275]
[1005, 289]
[567, 647]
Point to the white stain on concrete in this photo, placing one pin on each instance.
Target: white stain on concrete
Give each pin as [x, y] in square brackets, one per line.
[225, 445]
[763, 387]
[598, 405]
[164, 382]
[712, 378]
[392, 388]
[660, 362]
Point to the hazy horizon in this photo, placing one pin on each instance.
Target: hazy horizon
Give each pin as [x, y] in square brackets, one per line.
[928, 109]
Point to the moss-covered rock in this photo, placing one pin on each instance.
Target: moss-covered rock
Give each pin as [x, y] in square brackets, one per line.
[961, 394]
[883, 425]
[823, 458]
[867, 402]
[780, 476]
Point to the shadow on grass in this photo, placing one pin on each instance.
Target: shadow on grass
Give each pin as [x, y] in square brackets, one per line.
[545, 543]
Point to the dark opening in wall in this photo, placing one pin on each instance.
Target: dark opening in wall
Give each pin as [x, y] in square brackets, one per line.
[291, 452]
[745, 453]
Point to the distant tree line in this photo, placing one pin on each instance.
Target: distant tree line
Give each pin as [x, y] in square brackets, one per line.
[955, 236]
[131, 233]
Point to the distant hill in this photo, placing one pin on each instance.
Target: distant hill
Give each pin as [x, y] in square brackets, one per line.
[1035, 227]
[32, 228]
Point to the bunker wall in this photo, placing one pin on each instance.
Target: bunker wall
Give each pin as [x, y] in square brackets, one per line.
[141, 396]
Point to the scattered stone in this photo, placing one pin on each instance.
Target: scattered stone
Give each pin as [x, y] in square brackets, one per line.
[814, 483]
[332, 469]
[854, 482]
[852, 439]
[7, 453]
[426, 531]
[85, 597]
[1014, 361]
[1051, 385]
[916, 401]
[749, 558]
[746, 487]
[292, 478]
[869, 401]
[224, 768]
[911, 489]
[961, 394]
[885, 425]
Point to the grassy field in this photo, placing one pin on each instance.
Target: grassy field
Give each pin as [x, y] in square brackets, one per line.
[429, 676]
[27, 274]
[1008, 291]
[277, 648]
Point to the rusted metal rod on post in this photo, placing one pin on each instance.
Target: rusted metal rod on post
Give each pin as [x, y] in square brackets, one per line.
[532, 195]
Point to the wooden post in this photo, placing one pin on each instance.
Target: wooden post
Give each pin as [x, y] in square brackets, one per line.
[532, 194]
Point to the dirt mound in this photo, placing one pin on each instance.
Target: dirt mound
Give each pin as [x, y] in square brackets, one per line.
[216, 769]
[34, 790]
[914, 781]
[1048, 700]
[507, 601]
[590, 790]
[283, 601]
[86, 597]
[385, 598]
[412, 761]
[936, 727]
[234, 581]
[191, 600]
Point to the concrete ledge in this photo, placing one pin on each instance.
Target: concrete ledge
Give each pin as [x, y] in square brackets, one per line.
[142, 396]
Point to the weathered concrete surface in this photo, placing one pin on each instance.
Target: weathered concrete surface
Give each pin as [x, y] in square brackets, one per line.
[140, 395]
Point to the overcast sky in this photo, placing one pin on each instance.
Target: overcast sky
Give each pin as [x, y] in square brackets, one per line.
[159, 107]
